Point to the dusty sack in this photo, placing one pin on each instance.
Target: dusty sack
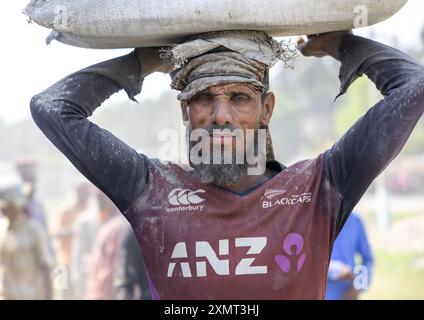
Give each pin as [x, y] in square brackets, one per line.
[142, 23]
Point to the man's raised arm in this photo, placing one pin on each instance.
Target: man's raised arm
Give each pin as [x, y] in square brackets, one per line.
[62, 110]
[377, 138]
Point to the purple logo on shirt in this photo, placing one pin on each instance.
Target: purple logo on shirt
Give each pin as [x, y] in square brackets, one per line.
[293, 247]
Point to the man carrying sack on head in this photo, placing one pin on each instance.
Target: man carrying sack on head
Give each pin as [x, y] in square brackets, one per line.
[235, 226]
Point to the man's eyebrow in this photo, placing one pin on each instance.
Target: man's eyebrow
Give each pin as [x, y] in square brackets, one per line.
[240, 92]
[234, 92]
[207, 92]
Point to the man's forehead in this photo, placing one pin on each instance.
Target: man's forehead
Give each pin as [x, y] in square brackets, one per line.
[229, 88]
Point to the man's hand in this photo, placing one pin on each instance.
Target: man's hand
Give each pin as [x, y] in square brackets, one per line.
[150, 61]
[326, 44]
[346, 273]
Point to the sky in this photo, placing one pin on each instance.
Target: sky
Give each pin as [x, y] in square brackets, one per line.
[28, 66]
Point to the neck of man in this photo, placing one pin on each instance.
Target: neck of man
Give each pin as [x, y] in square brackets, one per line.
[249, 182]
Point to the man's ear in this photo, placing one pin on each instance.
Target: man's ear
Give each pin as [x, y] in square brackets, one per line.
[267, 108]
[184, 111]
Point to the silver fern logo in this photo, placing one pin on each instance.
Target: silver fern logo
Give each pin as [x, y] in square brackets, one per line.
[272, 193]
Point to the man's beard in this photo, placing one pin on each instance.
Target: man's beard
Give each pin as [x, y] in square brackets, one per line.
[221, 174]
[224, 173]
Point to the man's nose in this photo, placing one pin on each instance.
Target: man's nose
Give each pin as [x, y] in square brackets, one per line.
[222, 114]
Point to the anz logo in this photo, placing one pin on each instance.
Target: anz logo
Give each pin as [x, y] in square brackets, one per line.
[220, 266]
[290, 257]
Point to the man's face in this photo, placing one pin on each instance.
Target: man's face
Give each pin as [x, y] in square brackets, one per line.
[236, 107]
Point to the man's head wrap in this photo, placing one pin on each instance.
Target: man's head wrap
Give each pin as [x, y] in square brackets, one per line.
[218, 68]
[224, 57]
[220, 58]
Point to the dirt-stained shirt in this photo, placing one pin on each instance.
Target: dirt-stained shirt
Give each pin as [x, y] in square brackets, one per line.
[203, 242]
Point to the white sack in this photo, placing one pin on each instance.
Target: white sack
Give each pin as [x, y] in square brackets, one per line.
[141, 23]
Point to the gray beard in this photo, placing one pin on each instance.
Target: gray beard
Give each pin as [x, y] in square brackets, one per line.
[221, 175]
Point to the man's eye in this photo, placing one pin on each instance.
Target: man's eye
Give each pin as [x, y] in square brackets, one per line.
[240, 98]
[203, 98]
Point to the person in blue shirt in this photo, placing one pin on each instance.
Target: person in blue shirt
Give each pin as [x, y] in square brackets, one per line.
[346, 280]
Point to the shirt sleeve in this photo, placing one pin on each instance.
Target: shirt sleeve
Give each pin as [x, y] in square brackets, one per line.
[62, 112]
[377, 138]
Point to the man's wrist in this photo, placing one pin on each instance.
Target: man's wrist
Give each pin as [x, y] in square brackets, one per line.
[150, 61]
[336, 46]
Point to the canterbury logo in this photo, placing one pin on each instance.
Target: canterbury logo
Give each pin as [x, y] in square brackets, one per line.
[181, 196]
[272, 193]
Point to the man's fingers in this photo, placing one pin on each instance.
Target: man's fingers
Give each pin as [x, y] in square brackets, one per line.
[310, 36]
[301, 45]
[299, 42]
[312, 47]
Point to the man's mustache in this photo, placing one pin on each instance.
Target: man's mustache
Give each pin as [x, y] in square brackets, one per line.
[210, 130]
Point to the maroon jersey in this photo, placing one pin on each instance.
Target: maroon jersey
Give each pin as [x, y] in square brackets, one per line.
[200, 241]
[203, 242]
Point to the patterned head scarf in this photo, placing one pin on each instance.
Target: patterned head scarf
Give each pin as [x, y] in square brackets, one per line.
[224, 57]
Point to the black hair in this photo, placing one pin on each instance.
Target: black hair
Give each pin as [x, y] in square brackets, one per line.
[265, 82]
[264, 95]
